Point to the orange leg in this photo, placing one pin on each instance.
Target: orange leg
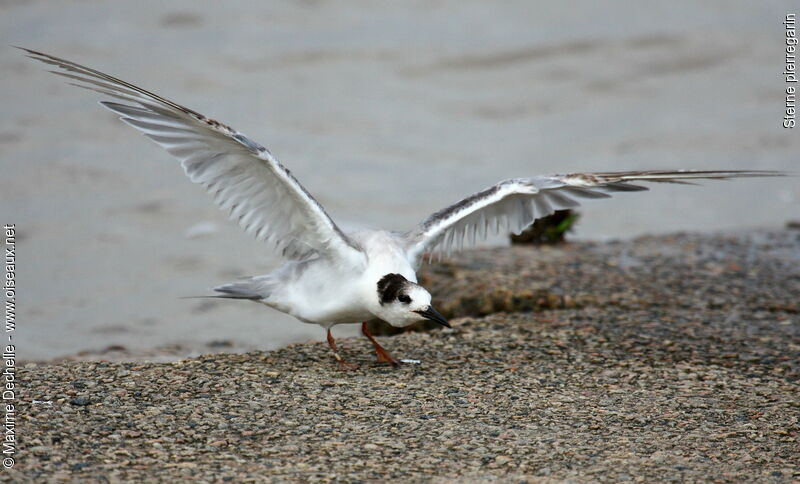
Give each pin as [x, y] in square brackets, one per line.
[383, 355]
[342, 363]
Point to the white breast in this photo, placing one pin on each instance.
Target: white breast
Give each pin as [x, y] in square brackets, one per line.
[326, 293]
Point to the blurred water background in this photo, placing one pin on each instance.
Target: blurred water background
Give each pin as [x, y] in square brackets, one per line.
[385, 112]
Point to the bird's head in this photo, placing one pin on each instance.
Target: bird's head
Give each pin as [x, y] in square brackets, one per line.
[403, 302]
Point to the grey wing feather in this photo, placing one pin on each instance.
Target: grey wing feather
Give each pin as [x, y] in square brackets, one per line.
[242, 176]
[518, 202]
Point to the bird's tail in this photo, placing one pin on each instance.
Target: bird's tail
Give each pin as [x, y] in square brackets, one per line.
[251, 288]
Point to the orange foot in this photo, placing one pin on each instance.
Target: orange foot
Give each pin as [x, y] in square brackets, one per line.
[343, 365]
[383, 355]
[346, 365]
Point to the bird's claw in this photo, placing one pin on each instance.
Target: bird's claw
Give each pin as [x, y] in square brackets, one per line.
[385, 357]
[347, 366]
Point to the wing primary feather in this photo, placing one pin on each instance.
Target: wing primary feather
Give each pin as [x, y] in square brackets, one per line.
[542, 207]
[518, 202]
[562, 201]
[271, 204]
[585, 193]
[623, 187]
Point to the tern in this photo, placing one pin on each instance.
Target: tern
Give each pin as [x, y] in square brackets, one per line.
[331, 277]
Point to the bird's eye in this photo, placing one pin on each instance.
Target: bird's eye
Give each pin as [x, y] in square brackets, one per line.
[404, 299]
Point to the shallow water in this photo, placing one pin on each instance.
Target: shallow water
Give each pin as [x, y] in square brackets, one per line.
[385, 114]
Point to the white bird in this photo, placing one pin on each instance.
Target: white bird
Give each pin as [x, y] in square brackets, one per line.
[331, 277]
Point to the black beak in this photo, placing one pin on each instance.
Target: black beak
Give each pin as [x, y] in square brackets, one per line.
[433, 315]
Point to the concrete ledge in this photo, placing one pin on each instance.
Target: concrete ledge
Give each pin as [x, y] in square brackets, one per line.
[673, 371]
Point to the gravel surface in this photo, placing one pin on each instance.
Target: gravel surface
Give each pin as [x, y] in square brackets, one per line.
[754, 270]
[673, 359]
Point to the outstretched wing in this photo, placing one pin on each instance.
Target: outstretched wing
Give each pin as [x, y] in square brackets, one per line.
[516, 203]
[242, 176]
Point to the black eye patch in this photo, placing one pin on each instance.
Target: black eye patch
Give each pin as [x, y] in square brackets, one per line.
[390, 286]
[404, 299]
